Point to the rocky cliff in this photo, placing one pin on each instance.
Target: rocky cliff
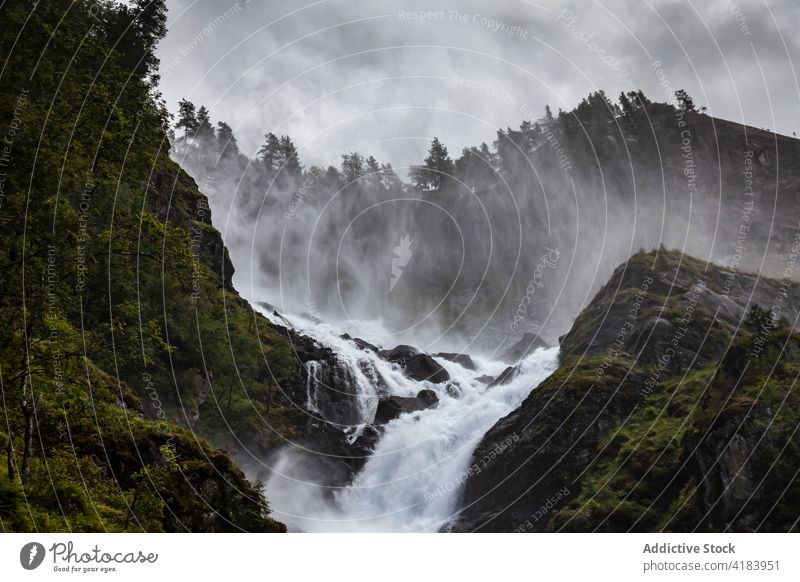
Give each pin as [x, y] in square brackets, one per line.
[674, 408]
[120, 320]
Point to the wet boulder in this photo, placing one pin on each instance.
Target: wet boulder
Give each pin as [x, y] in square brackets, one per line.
[453, 389]
[462, 360]
[399, 354]
[360, 343]
[416, 365]
[505, 377]
[393, 406]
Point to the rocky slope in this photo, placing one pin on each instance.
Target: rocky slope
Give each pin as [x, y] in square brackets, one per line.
[120, 320]
[674, 408]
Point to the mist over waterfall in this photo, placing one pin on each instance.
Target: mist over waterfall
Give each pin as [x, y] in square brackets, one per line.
[422, 301]
[469, 251]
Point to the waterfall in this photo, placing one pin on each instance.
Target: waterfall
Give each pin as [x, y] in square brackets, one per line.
[312, 369]
[413, 480]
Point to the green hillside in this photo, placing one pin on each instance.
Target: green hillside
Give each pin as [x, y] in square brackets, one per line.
[123, 340]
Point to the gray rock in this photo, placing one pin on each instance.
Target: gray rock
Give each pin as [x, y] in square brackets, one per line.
[462, 360]
[529, 343]
[393, 406]
[416, 365]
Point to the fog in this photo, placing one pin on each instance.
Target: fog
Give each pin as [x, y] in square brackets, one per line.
[524, 230]
[336, 73]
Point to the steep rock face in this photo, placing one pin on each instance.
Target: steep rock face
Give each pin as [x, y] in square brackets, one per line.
[557, 427]
[652, 296]
[325, 410]
[175, 197]
[661, 415]
[321, 409]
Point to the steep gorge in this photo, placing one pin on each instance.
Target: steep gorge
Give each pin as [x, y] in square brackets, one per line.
[137, 380]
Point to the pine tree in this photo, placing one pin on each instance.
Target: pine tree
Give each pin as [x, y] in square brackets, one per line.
[204, 131]
[684, 101]
[388, 176]
[626, 105]
[476, 166]
[438, 167]
[352, 167]
[289, 161]
[529, 133]
[637, 99]
[373, 165]
[332, 177]
[226, 141]
[187, 118]
[270, 154]
[508, 145]
[373, 171]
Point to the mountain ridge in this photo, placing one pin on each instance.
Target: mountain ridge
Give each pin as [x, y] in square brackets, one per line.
[643, 434]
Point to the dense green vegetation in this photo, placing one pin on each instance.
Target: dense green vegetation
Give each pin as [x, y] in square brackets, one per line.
[658, 468]
[122, 338]
[648, 477]
[648, 473]
[674, 408]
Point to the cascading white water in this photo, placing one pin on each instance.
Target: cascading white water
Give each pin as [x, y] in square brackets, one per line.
[372, 375]
[413, 480]
[312, 369]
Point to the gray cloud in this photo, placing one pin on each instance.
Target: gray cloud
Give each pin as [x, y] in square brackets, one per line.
[377, 77]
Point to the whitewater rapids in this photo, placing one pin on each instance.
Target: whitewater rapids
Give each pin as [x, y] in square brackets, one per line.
[413, 481]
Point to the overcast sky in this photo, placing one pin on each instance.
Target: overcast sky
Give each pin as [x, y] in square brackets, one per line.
[382, 78]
